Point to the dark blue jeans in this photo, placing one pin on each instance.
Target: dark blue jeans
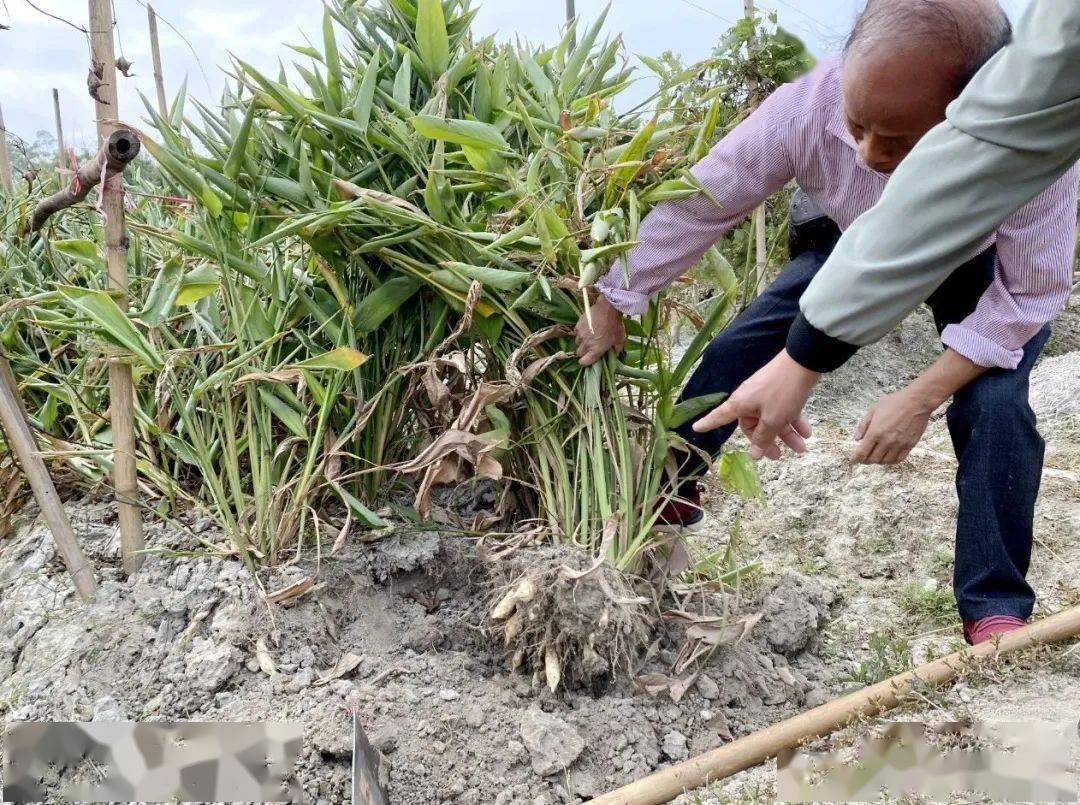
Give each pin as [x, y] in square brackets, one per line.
[998, 447]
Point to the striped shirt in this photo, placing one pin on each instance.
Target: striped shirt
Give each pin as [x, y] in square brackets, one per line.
[799, 132]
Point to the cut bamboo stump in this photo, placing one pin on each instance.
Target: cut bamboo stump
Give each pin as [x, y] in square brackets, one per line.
[121, 388]
[118, 150]
[711, 767]
[21, 438]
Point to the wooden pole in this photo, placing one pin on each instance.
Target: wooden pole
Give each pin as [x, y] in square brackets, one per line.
[60, 148]
[5, 163]
[711, 767]
[758, 221]
[21, 439]
[155, 51]
[121, 388]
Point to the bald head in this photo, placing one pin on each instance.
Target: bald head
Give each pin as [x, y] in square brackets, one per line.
[905, 61]
[961, 35]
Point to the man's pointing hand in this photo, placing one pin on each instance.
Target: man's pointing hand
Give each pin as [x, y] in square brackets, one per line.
[768, 407]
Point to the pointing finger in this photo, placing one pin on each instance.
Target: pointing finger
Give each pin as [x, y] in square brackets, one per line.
[722, 415]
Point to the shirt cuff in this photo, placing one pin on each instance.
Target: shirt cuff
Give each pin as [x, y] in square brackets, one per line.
[816, 350]
[980, 349]
[629, 303]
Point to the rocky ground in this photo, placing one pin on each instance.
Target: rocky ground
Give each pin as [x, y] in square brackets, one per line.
[854, 586]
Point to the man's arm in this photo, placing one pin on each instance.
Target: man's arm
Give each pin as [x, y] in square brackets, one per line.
[1013, 132]
[895, 423]
[739, 173]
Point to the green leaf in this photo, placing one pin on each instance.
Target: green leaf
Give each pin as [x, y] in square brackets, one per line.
[81, 251]
[383, 302]
[693, 408]
[498, 279]
[113, 324]
[197, 284]
[740, 473]
[403, 83]
[366, 515]
[365, 98]
[285, 413]
[472, 133]
[431, 36]
[162, 294]
[342, 359]
[333, 60]
[239, 148]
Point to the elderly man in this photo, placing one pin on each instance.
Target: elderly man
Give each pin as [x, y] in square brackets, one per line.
[839, 132]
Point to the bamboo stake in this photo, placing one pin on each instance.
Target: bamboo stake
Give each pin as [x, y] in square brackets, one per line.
[21, 439]
[711, 767]
[60, 149]
[155, 51]
[5, 163]
[121, 389]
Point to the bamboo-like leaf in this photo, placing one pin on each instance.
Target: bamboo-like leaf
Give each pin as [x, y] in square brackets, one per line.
[342, 359]
[285, 413]
[112, 323]
[740, 472]
[693, 408]
[383, 302]
[365, 98]
[197, 284]
[472, 133]
[431, 36]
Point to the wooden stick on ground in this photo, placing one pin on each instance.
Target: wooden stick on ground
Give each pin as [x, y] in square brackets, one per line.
[21, 439]
[121, 388]
[666, 784]
[121, 147]
[60, 149]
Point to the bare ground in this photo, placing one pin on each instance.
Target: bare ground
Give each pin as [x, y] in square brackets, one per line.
[848, 553]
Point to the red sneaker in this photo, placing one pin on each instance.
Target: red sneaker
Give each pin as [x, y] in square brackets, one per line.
[988, 628]
[683, 511]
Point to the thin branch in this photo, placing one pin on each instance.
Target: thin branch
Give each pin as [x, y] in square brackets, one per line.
[40, 10]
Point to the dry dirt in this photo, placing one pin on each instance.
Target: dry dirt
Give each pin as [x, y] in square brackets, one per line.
[841, 547]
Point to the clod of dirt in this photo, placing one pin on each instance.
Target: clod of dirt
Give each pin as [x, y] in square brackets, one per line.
[568, 623]
[552, 743]
[403, 552]
[211, 665]
[793, 613]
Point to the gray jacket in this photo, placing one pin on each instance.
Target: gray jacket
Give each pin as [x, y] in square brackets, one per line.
[1013, 132]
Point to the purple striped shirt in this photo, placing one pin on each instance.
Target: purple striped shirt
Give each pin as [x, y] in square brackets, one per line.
[800, 133]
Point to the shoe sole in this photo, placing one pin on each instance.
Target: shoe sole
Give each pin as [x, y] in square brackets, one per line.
[692, 528]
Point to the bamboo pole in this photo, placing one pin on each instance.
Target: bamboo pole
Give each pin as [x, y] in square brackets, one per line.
[758, 218]
[5, 163]
[121, 388]
[711, 767]
[21, 439]
[155, 51]
[60, 149]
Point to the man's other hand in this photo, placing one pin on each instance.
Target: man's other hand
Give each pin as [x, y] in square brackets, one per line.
[768, 407]
[606, 333]
[891, 428]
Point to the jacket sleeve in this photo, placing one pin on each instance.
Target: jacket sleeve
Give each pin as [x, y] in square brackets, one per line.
[1013, 132]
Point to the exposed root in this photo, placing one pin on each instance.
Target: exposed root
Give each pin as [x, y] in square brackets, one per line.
[565, 626]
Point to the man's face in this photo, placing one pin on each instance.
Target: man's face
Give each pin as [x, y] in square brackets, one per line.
[892, 97]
